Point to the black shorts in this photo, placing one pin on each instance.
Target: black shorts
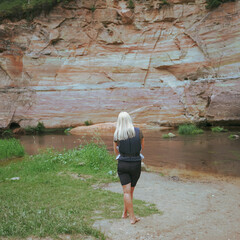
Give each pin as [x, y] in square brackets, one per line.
[129, 172]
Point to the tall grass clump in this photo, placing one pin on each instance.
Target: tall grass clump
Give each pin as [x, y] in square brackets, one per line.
[218, 129]
[10, 148]
[62, 193]
[189, 129]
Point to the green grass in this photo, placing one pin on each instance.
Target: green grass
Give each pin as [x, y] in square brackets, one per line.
[59, 193]
[18, 9]
[218, 129]
[165, 136]
[10, 148]
[189, 129]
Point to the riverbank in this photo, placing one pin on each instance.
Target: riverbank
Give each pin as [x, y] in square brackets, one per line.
[206, 208]
[59, 193]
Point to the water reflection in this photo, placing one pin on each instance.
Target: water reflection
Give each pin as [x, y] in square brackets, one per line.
[208, 152]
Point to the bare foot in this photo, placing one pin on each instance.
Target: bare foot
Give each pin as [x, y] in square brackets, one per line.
[124, 215]
[135, 220]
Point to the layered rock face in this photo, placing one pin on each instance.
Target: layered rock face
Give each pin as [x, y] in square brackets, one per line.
[91, 59]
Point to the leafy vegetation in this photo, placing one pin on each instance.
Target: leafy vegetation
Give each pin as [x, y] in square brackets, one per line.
[93, 8]
[211, 4]
[88, 122]
[233, 136]
[218, 129]
[18, 9]
[189, 129]
[67, 130]
[35, 130]
[165, 136]
[7, 133]
[131, 4]
[162, 3]
[11, 148]
[62, 193]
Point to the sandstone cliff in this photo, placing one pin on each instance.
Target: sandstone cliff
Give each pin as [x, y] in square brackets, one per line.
[90, 59]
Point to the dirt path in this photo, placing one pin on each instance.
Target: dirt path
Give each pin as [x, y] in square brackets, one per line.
[192, 209]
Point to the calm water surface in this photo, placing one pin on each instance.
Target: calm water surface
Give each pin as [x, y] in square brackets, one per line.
[208, 152]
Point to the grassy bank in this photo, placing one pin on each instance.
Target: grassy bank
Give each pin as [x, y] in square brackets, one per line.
[10, 148]
[58, 193]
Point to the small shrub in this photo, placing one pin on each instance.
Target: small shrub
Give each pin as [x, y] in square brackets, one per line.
[93, 8]
[10, 148]
[88, 122]
[35, 130]
[164, 2]
[218, 129]
[131, 4]
[7, 133]
[67, 130]
[189, 129]
[211, 4]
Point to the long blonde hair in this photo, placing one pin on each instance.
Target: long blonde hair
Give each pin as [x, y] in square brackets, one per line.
[125, 128]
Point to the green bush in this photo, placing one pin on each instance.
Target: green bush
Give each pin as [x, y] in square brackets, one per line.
[218, 129]
[18, 9]
[93, 8]
[10, 148]
[88, 122]
[211, 4]
[67, 130]
[131, 4]
[189, 129]
[7, 133]
[40, 128]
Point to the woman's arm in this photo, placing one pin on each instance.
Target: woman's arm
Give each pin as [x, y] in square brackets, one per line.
[115, 147]
[142, 143]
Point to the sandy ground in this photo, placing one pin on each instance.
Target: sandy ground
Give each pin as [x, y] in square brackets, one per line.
[203, 209]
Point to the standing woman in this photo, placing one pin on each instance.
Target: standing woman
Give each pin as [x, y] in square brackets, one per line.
[128, 142]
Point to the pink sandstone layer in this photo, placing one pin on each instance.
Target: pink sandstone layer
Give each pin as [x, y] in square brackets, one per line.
[163, 64]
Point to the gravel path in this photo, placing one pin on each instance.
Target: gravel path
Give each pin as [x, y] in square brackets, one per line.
[192, 209]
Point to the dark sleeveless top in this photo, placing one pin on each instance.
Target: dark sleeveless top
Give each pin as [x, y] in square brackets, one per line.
[130, 148]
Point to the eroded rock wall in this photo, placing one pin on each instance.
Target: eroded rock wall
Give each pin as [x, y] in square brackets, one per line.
[88, 60]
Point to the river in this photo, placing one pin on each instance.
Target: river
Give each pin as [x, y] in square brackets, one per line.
[212, 153]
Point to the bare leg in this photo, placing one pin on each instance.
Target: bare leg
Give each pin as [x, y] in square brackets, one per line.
[124, 215]
[127, 196]
[132, 190]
